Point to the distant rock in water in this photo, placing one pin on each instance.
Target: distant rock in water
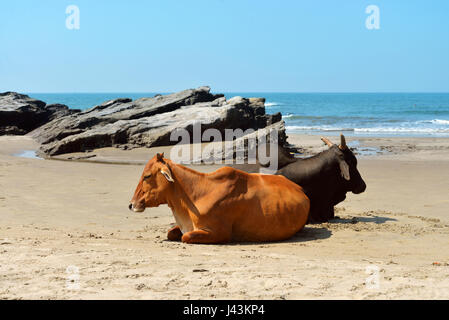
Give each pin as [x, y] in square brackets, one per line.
[19, 114]
[149, 122]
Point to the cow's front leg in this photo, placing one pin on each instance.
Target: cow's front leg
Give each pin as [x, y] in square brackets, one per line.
[203, 236]
[174, 234]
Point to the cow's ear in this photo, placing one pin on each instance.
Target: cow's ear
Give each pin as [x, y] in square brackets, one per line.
[160, 156]
[344, 170]
[167, 175]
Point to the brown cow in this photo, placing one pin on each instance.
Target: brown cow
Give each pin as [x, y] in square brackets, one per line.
[222, 206]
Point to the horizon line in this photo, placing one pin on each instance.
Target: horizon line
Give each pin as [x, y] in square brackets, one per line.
[225, 92]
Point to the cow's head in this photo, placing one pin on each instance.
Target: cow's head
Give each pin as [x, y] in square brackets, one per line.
[153, 186]
[347, 164]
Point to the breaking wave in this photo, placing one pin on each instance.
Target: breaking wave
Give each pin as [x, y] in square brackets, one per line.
[371, 130]
[435, 121]
[272, 104]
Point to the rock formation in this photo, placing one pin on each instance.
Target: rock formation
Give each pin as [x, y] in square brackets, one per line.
[149, 122]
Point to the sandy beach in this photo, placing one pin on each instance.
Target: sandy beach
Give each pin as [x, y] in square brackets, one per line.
[66, 232]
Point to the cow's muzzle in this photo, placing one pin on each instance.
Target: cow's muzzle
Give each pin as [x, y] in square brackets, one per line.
[135, 209]
[360, 188]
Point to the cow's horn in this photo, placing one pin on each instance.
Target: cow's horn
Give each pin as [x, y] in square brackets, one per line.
[327, 141]
[342, 145]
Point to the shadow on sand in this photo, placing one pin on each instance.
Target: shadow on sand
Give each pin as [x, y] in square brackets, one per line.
[310, 234]
[319, 231]
[368, 219]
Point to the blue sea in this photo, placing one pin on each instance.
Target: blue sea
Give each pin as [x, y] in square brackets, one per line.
[359, 114]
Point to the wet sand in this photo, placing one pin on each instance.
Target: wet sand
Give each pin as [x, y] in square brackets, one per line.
[59, 217]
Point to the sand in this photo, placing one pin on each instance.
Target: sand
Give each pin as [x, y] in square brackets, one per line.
[66, 233]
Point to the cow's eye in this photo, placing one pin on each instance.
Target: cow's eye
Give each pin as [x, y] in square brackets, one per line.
[146, 177]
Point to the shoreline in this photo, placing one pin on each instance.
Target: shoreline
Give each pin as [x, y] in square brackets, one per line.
[382, 148]
[399, 148]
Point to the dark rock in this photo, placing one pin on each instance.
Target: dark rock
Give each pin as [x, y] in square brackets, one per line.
[59, 110]
[19, 114]
[12, 131]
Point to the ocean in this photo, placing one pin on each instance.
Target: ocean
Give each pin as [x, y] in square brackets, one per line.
[358, 114]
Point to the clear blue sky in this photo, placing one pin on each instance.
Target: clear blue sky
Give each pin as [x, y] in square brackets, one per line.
[231, 45]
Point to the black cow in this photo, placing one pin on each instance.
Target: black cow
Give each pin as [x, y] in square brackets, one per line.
[325, 177]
